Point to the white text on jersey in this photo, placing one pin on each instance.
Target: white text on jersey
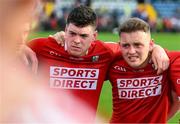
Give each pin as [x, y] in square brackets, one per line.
[73, 78]
[133, 88]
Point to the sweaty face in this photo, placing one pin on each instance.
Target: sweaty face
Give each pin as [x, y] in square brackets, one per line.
[79, 39]
[135, 48]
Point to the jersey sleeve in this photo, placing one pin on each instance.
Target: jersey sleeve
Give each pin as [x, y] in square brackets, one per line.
[37, 44]
[175, 73]
[113, 46]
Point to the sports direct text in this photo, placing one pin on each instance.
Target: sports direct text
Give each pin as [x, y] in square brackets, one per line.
[132, 88]
[73, 78]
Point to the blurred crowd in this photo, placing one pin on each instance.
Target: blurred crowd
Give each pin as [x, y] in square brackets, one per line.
[162, 15]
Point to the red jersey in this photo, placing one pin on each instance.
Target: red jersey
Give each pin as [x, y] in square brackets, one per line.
[174, 71]
[140, 95]
[80, 76]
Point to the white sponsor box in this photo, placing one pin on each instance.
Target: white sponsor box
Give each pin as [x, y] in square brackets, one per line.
[139, 82]
[139, 93]
[133, 88]
[74, 72]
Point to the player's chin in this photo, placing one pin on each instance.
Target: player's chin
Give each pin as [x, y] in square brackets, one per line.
[134, 64]
[75, 53]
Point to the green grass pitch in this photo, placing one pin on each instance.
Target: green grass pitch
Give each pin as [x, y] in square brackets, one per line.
[170, 41]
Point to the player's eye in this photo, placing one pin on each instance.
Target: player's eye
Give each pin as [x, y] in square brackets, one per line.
[84, 36]
[137, 45]
[125, 45]
[72, 33]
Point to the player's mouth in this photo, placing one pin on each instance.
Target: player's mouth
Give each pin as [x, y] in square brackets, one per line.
[76, 48]
[133, 58]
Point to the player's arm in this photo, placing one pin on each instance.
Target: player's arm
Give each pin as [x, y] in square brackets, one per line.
[28, 57]
[160, 59]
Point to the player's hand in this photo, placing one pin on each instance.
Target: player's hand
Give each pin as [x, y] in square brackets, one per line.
[28, 57]
[59, 37]
[160, 59]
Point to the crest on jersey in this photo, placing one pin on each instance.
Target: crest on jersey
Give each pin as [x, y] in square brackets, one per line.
[95, 58]
[178, 81]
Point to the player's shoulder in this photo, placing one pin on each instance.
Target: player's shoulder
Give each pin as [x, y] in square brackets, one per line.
[107, 44]
[41, 40]
[173, 55]
[111, 46]
[99, 45]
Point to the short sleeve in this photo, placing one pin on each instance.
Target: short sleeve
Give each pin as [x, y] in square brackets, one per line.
[174, 72]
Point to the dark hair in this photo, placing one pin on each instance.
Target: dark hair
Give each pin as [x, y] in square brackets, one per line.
[134, 24]
[82, 16]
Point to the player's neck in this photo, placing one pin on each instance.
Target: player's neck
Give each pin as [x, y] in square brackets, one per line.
[145, 63]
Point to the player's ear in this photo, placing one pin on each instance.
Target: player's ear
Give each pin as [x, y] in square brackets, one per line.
[66, 28]
[151, 44]
[65, 31]
[95, 34]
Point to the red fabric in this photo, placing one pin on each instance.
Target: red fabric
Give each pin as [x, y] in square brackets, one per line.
[174, 71]
[82, 77]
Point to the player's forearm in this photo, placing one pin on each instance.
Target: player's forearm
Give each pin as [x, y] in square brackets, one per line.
[160, 59]
[28, 57]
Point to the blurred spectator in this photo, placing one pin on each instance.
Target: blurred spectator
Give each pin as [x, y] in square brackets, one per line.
[146, 12]
[167, 25]
[141, 13]
[175, 20]
[159, 25]
[62, 19]
[53, 21]
[48, 6]
[48, 17]
[82, 2]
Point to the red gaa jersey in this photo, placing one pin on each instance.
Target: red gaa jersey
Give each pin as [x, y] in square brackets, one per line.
[174, 71]
[140, 95]
[81, 77]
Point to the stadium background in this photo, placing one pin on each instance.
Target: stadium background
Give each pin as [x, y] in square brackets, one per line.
[162, 15]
